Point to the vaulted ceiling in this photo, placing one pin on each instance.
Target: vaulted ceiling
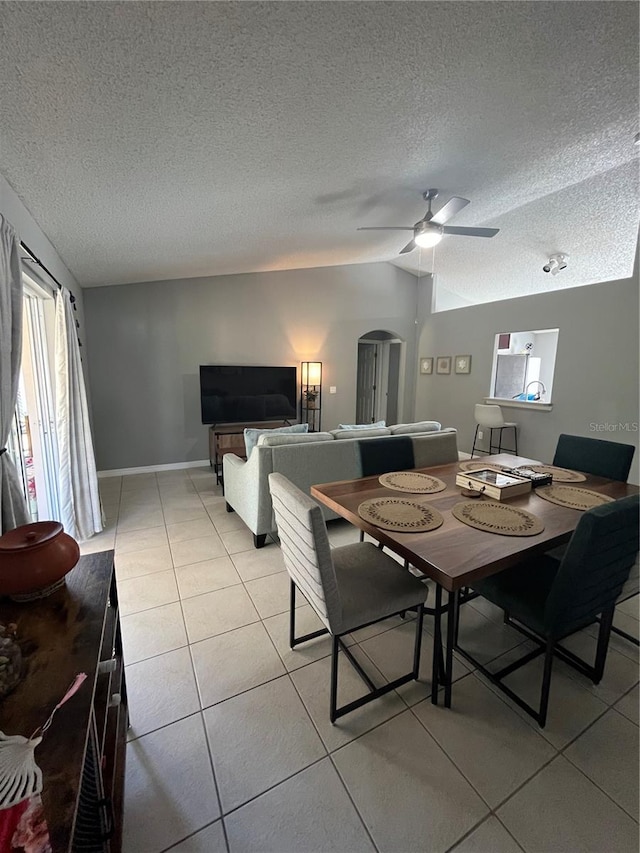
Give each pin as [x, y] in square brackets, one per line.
[167, 140]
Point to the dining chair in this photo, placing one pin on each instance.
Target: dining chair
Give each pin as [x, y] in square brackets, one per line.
[490, 417]
[382, 455]
[594, 456]
[547, 600]
[348, 587]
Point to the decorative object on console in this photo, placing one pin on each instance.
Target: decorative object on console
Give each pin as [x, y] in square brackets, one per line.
[34, 558]
[311, 394]
[22, 819]
[10, 659]
[463, 364]
[443, 364]
[426, 366]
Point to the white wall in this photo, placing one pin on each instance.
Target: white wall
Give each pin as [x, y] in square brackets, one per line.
[596, 375]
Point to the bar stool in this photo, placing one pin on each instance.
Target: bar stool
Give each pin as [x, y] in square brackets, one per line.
[490, 417]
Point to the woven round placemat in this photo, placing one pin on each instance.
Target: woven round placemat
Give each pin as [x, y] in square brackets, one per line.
[572, 497]
[400, 515]
[493, 517]
[477, 466]
[412, 481]
[560, 475]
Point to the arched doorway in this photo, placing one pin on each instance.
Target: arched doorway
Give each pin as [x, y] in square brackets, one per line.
[380, 377]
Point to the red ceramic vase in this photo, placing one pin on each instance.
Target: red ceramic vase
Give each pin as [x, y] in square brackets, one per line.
[34, 557]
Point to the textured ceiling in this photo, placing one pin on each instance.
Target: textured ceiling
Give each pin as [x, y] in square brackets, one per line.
[169, 140]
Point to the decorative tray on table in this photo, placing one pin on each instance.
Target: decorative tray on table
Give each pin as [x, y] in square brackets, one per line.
[494, 484]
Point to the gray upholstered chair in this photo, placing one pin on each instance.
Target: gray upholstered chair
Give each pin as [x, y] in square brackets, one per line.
[348, 587]
[609, 459]
[552, 599]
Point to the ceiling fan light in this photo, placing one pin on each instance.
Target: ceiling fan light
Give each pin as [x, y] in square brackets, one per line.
[427, 238]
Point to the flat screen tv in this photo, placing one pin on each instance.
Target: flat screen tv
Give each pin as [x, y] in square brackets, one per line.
[237, 393]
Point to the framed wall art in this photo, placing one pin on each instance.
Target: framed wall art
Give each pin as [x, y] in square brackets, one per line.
[443, 364]
[462, 364]
[426, 366]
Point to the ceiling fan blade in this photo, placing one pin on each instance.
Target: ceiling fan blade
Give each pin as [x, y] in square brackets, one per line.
[470, 232]
[447, 211]
[387, 228]
[408, 248]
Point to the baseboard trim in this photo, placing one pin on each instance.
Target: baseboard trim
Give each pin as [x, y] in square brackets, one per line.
[150, 469]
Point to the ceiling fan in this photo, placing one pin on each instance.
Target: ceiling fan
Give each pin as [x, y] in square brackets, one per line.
[431, 228]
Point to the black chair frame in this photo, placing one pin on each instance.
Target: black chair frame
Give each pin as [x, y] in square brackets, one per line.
[495, 448]
[338, 645]
[547, 647]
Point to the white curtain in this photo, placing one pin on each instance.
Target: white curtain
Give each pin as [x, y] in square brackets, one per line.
[78, 481]
[13, 507]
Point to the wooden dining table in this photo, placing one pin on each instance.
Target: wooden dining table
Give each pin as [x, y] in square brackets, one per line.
[455, 555]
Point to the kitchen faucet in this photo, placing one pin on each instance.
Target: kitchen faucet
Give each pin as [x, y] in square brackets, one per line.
[538, 393]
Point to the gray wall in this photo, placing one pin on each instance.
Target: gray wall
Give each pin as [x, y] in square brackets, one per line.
[596, 375]
[148, 340]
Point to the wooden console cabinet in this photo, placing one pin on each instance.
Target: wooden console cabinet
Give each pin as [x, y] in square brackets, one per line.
[229, 438]
[82, 755]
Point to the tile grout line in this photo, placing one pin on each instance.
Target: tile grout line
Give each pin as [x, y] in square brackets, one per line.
[331, 753]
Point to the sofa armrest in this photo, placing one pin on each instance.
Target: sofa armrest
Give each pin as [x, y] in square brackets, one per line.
[246, 488]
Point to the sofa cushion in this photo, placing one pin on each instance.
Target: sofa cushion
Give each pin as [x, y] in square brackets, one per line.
[381, 455]
[267, 440]
[251, 436]
[360, 433]
[375, 425]
[420, 426]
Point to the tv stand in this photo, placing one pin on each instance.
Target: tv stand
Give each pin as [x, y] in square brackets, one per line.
[229, 438]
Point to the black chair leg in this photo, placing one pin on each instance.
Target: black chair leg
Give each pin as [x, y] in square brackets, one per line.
[292, 615]
[515, 439]
[418, 642]
[362, 535]
[606, 620]
[293, 640]
[475, 438]
[334, 679]
[546, 684]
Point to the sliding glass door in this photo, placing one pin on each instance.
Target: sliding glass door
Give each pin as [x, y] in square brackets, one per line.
[32, 442]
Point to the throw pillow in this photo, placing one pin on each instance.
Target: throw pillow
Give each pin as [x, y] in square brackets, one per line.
[376, 425]
[251, 436]
[419, 427]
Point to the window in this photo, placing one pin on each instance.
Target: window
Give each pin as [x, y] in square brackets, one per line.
[523, 365]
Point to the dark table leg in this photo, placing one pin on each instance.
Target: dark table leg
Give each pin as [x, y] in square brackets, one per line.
[437, 646]
[453, 611]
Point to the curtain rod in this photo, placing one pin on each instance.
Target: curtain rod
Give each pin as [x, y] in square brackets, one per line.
[38, 262]
[33, 257]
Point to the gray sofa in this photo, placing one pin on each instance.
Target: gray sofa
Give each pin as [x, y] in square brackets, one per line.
[308, 459]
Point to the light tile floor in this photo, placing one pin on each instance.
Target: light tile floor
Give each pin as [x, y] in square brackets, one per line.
[230, 744]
